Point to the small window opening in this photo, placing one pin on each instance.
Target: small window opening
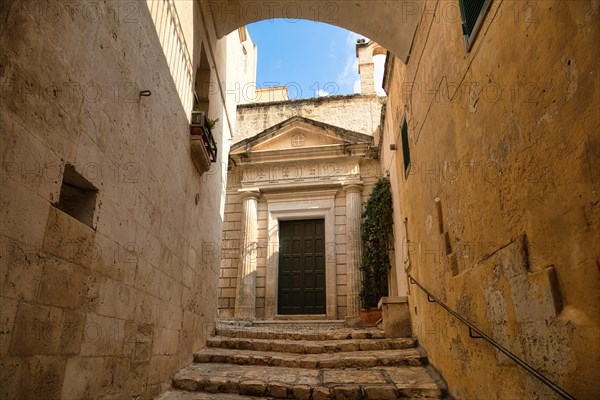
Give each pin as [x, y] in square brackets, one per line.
[405, 148]
[202, 85]
[77, 196]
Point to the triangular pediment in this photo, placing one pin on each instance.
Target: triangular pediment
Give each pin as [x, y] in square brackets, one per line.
[297, 133]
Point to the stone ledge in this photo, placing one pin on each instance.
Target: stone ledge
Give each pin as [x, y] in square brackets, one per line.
[392, 300]
[361, 359]
[310, 346]
[280, 382]
[298, 333]
[316, 100]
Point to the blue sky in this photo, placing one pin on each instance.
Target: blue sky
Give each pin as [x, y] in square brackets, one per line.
[311, 58]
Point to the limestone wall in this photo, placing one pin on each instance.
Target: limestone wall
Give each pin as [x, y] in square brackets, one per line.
[366, 68]
[271, 94]
[355, 112]
[109, 310]
[506, 137]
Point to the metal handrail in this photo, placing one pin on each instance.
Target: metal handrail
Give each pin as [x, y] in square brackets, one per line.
[481, 335]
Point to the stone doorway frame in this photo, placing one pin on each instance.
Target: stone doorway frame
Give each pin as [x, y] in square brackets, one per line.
[298, 205]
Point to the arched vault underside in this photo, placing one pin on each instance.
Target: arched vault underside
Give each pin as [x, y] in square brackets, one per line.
[391, 23]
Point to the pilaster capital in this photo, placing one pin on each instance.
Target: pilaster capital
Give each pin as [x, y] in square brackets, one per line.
[353, 188]
[250, 194]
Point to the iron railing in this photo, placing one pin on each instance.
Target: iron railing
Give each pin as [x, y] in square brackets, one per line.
[477, 333]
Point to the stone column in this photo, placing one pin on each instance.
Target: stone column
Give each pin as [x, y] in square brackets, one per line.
[353, 252]
[245, 301]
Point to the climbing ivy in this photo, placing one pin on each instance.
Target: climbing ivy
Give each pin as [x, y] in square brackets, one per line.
[377, 235]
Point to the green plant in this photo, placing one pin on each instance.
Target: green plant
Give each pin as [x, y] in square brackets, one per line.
[377, 239]
[212, 123]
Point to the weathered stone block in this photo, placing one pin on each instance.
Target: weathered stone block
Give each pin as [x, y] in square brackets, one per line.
[62, 284]
[277, 390]
[169, 316]
[347, 392]
[166, 341]
[387, 392]
[321, 393]
[147, 278]
[170, 289]
[142, 351]
[42, 378]
[102, 336]
[20, 268]
[223, 302]
[86, 377]
[302, 392]
[130, 377]
[219, 384]
[24, 214]
[253, 388]
[10, 376]
[229, 272]
[115, 299]
[72, 326]
[147, 309]
[8, 313]
[37, 330]
[396, 317]
[536, 295]
[70, 239]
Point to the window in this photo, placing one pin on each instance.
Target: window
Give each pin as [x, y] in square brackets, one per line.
[77, 196]
[473, 12]
[203, 144]
[405, 148]
[202, 85]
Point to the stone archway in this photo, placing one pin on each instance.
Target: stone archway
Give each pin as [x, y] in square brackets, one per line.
[392, 24]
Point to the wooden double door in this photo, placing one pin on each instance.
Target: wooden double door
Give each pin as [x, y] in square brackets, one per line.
[301, 282]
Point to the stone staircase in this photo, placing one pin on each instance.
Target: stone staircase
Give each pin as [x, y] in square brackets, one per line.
[316, 360]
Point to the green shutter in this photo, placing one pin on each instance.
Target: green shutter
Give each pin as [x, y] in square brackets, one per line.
[405, 149]
[472, 12]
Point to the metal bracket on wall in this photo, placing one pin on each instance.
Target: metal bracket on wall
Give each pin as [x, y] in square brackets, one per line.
[473, 335]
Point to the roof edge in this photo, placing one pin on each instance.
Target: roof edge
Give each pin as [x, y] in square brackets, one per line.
[309, 100]
[270, 132]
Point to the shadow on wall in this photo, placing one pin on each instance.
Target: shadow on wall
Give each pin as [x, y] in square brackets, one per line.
[173, 41]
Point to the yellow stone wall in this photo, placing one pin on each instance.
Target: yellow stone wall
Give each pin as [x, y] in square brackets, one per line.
[506, 138]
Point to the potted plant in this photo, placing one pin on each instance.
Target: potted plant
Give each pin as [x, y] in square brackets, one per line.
[203, 144]
[197, 115]
[377, 241]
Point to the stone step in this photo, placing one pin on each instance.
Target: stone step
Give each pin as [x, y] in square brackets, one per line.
[380, 383]
[298, 321]
[185, 395]
[310, 346]
[359, 359]
[294, 333]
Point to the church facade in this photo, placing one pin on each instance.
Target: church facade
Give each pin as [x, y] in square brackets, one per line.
[299, 173]
[291, 221]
